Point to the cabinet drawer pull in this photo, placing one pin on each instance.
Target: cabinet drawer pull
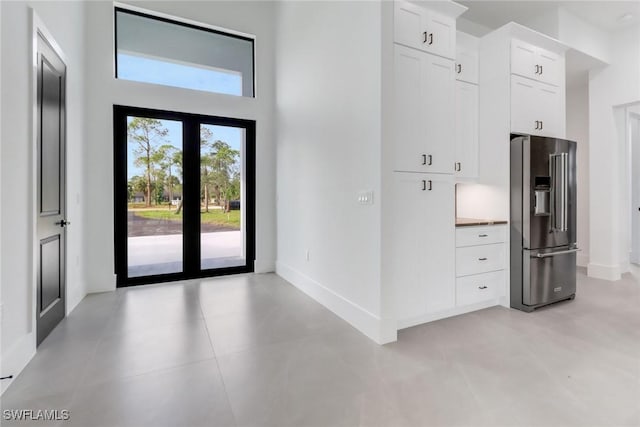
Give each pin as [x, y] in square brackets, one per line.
[482, 259]
[482, 287]
[483, 235]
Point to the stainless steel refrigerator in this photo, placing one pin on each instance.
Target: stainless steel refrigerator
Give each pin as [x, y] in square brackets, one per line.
[543, 221]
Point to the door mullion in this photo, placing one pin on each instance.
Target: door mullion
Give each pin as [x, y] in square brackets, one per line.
[191, 196]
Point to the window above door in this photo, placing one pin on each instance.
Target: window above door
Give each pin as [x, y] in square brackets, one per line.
[159, 50]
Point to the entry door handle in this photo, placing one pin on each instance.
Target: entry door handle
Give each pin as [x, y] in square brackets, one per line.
[63, 223]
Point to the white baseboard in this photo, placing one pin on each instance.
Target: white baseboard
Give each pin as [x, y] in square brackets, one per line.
[381, 331]
[407, 323]
[605, 272]
[582, 260]
[16, 358]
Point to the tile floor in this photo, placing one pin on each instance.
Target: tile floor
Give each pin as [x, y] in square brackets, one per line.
[253, 351]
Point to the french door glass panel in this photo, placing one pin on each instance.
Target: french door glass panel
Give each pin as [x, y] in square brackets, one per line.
[222, 234]
[184, 195]
[154, 196]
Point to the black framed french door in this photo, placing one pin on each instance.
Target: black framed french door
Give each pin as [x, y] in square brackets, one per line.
[184, 189]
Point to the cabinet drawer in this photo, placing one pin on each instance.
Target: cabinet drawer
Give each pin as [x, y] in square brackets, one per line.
[471, 236]
[480, 259]
[479, 287]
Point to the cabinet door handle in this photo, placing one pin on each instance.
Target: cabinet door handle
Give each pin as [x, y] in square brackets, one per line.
[541, 70]
[482, 259]
[483, 235]
[424, 185]
[541, 125]
[430, 38]
[482, 287]
[430, 162]
[424, 159]
[459, 68]
[537, 69]
[425, 37]
[430, 185]
[537, 124]
[458, 166]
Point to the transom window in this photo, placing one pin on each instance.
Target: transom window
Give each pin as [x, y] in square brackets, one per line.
[158, 50]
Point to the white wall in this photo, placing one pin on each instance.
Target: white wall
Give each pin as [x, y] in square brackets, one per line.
[634, 176]
[65, 21]
[329, 144]
[104, 91]
[582, 36]
[578, 130]
[612, 86]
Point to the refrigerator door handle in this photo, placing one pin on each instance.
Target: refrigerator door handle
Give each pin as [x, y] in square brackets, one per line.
[550, 254]
[558, 163]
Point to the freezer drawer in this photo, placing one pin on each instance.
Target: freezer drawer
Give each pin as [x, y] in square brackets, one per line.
[549, 275]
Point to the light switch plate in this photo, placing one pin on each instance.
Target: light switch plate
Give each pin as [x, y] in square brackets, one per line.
[365, 197]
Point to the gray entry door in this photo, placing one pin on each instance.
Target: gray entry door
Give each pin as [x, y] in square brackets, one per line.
[51, 203]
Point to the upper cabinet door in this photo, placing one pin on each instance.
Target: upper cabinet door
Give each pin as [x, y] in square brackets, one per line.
[536, 108]
[536, 63]
[424, 112]
[466, 65]
[466, 165]
[419, 28]
[551, 67]
[523, 59]
[524, 106]
[550, 111]
[440, 35]
[409, 25]
[439, 118]
[409, 110]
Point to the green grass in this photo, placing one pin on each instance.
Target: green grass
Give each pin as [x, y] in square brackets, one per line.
[214, 216]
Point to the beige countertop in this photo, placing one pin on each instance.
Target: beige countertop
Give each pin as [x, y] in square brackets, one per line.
[467, 222]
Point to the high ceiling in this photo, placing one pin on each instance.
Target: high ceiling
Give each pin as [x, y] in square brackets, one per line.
[605, 14]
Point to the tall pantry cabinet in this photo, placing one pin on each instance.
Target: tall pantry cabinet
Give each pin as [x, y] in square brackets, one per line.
[421, 237]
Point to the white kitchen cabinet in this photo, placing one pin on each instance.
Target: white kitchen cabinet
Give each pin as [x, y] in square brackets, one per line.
[422, 244]
[466, 146]
[481, 262]
[467, 65]
[536, 108]
[479, 287]
[480, 259]
[466, 57]
[536, 63]
[424, 112]
[421, 28]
